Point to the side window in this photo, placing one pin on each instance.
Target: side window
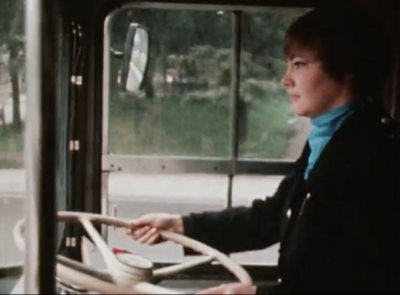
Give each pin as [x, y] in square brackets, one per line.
[12, 117]
[272, 132]
[184, 111]
[184, 108]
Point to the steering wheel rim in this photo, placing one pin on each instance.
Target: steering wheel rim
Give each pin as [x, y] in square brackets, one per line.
[120, 278]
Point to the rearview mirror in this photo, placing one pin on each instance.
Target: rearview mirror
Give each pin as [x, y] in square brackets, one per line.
[135, 59]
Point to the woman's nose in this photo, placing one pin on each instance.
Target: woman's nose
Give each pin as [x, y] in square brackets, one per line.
[286, 80]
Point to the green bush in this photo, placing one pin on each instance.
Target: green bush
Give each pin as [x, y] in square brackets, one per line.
[196, 126]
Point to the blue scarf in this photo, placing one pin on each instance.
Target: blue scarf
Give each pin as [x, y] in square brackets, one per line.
[325, 126]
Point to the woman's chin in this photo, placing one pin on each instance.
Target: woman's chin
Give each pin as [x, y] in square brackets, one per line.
[298, 110]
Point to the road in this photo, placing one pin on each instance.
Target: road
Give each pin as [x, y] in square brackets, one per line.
[188, 188]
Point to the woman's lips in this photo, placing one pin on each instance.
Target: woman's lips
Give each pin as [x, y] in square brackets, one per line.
[294, 97]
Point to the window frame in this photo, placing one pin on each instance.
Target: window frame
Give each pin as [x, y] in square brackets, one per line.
[231, 165]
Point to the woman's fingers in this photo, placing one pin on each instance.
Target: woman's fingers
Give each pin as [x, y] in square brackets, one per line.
[148, 235]
[138, 234]
[154, 239]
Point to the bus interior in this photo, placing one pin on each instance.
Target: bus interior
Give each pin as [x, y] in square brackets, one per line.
[111, 109]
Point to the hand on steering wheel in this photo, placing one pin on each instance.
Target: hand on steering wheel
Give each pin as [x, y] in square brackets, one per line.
[127, 273]
[148, 227]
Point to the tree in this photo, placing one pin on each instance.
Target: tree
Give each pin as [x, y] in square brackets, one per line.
[11, 37]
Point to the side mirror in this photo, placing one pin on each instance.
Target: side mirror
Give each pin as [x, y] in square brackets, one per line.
[135, 59]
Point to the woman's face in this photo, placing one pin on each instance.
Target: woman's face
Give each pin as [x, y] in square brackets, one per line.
[312, 92]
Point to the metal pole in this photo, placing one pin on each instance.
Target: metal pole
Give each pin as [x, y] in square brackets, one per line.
[105, 176]
[235, 89]
[40, 147]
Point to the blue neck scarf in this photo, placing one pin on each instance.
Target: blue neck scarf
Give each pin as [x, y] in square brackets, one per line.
[325, 126]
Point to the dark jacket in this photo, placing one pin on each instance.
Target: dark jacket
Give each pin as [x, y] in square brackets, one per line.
[339, 231]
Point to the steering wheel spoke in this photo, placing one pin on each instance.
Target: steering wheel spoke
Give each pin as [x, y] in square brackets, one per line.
[90, 278]
[108, 256]
[88, 282]
[101, 274]
[171, 271]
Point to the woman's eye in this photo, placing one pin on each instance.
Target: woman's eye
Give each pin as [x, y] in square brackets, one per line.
[298, 64]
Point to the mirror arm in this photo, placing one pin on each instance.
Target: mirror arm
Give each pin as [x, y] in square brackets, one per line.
[118, 54]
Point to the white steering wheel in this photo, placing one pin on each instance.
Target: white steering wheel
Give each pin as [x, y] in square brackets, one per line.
[126, 273]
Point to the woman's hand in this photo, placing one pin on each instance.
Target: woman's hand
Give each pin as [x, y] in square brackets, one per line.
[145, 229]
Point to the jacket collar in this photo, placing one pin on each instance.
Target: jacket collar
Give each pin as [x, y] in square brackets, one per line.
[346, 143]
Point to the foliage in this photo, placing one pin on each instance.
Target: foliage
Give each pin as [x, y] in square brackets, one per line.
[190, 76]
[175, 126]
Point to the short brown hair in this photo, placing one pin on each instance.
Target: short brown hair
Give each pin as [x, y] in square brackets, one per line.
[348, 42]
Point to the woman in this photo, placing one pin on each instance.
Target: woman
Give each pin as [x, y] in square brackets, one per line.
[335, 214]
